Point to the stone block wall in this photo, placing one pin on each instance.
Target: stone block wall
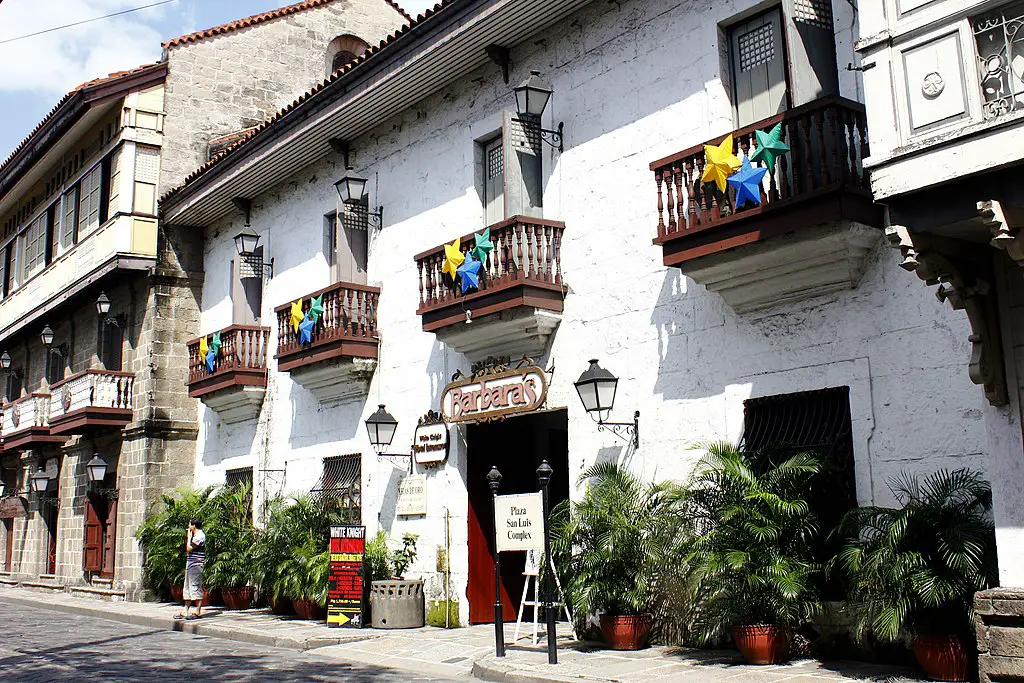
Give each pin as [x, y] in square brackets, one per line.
[999, 616]
[235, 80]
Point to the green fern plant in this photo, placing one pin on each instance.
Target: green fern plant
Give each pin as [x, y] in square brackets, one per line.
[916, 568]
[751, 557]
[614, 544]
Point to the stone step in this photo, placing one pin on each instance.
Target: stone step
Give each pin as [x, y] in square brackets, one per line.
[98, 592]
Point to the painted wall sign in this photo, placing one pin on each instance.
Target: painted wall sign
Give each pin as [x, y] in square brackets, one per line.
[519, 522]
[412, 495]
[11, 507]
[489, 396]
[345, 576]
[430, 440]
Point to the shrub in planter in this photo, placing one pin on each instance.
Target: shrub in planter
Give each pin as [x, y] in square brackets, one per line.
[612, 546]
[398, 603]
[231, 548]
[162, 537]
[915, 569]
[751, 554]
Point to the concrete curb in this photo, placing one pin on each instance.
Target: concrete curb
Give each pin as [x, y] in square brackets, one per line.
[489, 670]
[209, 629]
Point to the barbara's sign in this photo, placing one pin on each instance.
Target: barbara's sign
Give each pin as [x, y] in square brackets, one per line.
[519, 522]
[486, 397]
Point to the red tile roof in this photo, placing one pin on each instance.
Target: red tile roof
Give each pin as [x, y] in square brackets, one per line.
[259, 19]
[252, 132]
[46, 119]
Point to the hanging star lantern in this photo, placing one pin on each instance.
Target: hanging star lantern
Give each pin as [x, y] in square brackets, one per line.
[297, 314]
[747, 182]
[482, 246]
[316, 308]
[453, 258]
[769, 147]
[306, 330]
[216, 344]
[721, 163]
[211, 360]
[204, 347]
[469, 272]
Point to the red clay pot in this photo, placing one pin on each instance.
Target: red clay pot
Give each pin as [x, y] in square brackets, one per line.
[625, 633]
[213, 597]
[279, 606]
[762, 644]
[238, 598]
[943, 658]
[177, 594]
[309, 610]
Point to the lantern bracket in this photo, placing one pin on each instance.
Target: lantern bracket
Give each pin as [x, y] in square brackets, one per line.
[551, 137]
[627, 431]
[501, 56]
[244, 206]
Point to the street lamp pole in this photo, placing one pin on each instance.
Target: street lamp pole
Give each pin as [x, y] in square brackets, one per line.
[494, 481]
[544, 473]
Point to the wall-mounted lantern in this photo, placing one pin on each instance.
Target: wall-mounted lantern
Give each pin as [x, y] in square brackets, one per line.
[381, 426]
[96, 469]
[532, 96]
[596, 387]
[5, 361]
[351, 189]
[46, 336]
[3, 488]
[247, 244]
[39, 481]
[103, 310]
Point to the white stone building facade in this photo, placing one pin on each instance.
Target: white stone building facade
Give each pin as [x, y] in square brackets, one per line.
[633, 82]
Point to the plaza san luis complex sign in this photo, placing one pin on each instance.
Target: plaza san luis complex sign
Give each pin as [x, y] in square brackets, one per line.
[495, 391]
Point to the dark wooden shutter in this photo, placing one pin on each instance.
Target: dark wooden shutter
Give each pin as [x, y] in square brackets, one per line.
[110, 539]
[92, 557]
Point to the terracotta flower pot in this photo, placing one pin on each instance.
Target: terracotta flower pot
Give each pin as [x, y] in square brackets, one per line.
[763, 643]
[625, 633]
[309, 610]
[214, 596]
[238, 598]
[177, 593]
[943, 658]
[279, 605]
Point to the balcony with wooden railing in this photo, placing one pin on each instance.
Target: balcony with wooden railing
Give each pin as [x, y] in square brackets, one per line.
[341, 355]
[520, 295]
[236, 385]
[26, 423]
[817, 200]
[90, 401]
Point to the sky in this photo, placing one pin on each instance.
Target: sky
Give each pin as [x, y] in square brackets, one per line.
[36, 72]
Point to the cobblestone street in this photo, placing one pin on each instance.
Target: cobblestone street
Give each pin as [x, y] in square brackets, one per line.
[40, 646]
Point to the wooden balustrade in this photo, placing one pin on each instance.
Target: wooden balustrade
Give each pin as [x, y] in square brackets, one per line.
[347, 327]
[242, 360]
[526, 256]
[827, 140]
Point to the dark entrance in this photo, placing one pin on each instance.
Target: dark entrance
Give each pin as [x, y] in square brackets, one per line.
[50, 510]
[516, 447]
[100, 533]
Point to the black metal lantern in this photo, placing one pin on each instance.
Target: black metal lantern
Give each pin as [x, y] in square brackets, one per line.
[103, 304]
[532, 95]
[381, 427]
[3, 488]
[46, 335]
[96, 469]
[246, 243]
[596, 387]
[39, 481]
[5, 361]
[351, 188]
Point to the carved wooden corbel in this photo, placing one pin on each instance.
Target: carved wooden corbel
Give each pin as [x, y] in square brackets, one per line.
[1004, 236]
[963, 277]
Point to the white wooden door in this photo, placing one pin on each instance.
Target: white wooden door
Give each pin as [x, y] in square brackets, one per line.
[758, 56]
[494, 182]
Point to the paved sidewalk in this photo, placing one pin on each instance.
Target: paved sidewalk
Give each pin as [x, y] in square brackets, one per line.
[457, 653]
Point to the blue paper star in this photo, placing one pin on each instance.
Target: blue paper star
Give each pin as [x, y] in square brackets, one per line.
[747, 182]
[306, 330]
[469, 273]
[211, 360]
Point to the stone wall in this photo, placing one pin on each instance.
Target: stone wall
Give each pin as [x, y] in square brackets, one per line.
[235, 80]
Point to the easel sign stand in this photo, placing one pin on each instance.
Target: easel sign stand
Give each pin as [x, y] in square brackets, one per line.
[532, 573]
[520, 524]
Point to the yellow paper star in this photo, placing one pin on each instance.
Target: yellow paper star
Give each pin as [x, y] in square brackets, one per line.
[453, 258]
[297, 314]
[204, 347]
[721, 163]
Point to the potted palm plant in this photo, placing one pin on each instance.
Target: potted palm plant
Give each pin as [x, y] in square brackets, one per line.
[915, 569]
[612, 545]
[162, 537]
[231, 562]
[272, 547]
[751, 554]
[303, 579]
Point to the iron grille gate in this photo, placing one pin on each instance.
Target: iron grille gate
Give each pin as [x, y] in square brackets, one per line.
[340, 486]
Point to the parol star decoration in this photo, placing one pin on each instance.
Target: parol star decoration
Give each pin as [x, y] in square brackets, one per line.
[216, 344]
[306, 330]
[469, 274]
[721, 163]
[748, 183]
[204, 347]
[297, 314]
[211, 360]
[482, 245]
[769, 146]
[453, 258]
[316, 308]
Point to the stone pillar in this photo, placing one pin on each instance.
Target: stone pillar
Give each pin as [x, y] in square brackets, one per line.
[71, 518]
[1000, 625]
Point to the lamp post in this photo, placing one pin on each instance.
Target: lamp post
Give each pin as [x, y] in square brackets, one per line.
[596, 388]
[544, 473]
[381, 427]
[494, 481]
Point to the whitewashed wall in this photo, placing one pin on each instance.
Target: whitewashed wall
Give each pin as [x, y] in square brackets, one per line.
[632, 84]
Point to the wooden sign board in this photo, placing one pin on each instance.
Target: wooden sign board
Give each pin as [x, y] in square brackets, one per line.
[491, 396]
[345, 576]
[519, 522]
[430, 443]
[11, 507]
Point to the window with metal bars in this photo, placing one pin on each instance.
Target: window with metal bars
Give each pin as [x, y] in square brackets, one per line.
[340, 486]
[818, 421]
[240, 477]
